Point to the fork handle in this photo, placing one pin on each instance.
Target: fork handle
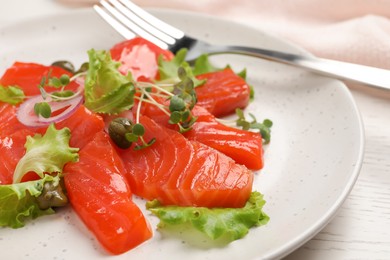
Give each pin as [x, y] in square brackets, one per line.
[367, 75]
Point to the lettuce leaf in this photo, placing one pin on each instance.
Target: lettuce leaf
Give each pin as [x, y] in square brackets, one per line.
[20, 201]
[234, 223]
[202, 65]
[106, 89]
[46, 154]
[168, 70]
[11, 95]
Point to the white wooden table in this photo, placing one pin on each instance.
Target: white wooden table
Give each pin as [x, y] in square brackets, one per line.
[361, 228]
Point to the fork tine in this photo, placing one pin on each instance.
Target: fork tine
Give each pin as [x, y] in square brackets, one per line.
[132, 26]
[153, 21]
[126, 33]
[141, 23]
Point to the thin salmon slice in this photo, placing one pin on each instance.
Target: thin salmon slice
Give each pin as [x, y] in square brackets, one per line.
[8, 122]
[192, 174]
[99, 193]
[223, 92]
[83, 124]
[28, 76]
[11, 151]
[244, 147]
[140, 57]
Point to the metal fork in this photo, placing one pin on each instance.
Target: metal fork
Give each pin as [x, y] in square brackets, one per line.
[131, 20]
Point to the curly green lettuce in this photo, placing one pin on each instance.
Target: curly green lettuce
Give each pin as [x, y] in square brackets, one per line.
[106, 89]
[29, 200]
[46, 154]
[233, 223]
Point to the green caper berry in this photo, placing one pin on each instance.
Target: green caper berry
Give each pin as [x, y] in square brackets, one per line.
[117, 131]
[52, 196]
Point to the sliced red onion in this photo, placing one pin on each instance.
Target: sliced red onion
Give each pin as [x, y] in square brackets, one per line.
[27, 116]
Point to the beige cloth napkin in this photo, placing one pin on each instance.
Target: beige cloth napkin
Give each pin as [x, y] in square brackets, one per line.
[351, 30]
[357, 31]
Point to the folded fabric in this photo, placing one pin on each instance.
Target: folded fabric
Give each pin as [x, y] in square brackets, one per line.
[351, 30]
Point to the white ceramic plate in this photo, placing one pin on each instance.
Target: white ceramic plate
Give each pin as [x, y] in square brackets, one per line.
[311, 164]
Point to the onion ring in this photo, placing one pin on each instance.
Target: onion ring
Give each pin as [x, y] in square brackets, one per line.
[26, 115]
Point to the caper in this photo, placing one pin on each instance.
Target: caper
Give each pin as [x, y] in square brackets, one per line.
[118, 129]
[66, 65]
[52, 196]
[83, 68]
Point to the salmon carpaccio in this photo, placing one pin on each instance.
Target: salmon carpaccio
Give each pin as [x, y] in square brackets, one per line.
[177, 171]
[222, 93]
[195, 169]
[101, 197]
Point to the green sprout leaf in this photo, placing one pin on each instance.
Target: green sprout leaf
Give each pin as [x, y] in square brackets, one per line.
[42, 109]
[131, 137]
[264, 127]
[62, 94]
[12, 95]
[138, 130]
[64, 80]
[177, 104]
[175, 118]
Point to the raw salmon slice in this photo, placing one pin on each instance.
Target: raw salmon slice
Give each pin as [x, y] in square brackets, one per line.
[223, 92]
[140, 57]
[8, 122]
[177, 171]
[28, 76]
[244, 147]
[101, 197]
[11, 151]
[83, 124]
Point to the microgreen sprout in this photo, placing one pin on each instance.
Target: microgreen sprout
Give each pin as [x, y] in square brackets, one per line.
[43, 108]
[264, 127]
[182, 102]
[178, 99]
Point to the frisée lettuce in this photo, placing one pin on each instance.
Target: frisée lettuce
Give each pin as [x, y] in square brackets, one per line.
[106, 89]
[46, 154]
[24, 200]
[232, 223]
